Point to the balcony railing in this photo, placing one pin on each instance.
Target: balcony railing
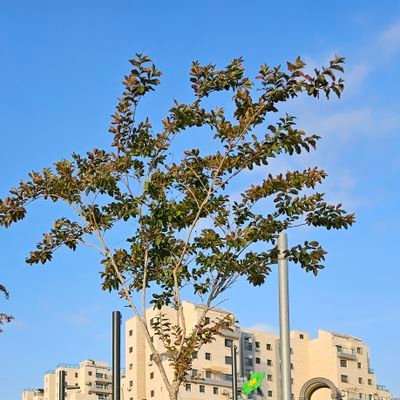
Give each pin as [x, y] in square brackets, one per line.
[345, 352]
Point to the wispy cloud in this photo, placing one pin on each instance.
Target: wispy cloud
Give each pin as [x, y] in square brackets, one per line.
[264, 328]
[389, 40]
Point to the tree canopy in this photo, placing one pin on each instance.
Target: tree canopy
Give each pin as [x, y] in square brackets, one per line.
[186, 225]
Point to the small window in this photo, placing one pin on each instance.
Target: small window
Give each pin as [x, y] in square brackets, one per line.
[151, 357]
[90, 373]
[215, 390]
[208, 356]
[360, 381]
[301, 336]
[202, 389]
[130, 349]
[76, 374]
[130, 332]
[208, 374]
[257, 345]
[291, 366]
[370, 382]
[343, 363]
[291, 351]
[130, 398]
[131, 366]
[344, 378]
[269, 378]
[151, 393]
[258, 360]
[228, 342]
[207, 320]
[130, 383]
[269, 363]
[248, 362]
[359, 350]
[228, 360]
[269, 346]
[151, 375]
[269, 393]
[194, 354]
[359, 365]
[188, 387]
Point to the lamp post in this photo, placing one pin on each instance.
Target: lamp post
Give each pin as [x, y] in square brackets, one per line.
[234, 372]
[116, 355]
[284, 318]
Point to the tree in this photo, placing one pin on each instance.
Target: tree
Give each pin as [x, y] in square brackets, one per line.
[186, 228]
[4, 318]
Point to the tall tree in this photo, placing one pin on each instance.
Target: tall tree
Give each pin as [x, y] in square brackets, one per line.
[186, 228]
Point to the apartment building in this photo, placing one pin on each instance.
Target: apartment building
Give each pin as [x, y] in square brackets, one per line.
[342, 359]
[33, 394]
[88, 380]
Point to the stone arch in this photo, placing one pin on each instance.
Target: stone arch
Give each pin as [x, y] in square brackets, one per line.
[314, 384]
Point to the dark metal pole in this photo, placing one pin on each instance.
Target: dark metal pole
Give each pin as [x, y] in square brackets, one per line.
[61, 385]
[234, 372]
[116, 355]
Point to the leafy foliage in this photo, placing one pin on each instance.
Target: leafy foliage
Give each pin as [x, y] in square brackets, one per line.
[4, 318]
[186, 229]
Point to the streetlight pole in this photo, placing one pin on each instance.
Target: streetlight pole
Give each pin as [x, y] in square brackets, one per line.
[286, 389]
[116, 355]
[234, 372]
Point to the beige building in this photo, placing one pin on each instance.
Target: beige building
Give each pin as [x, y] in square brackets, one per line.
[89, 380]
[342, 359]
[33, 394]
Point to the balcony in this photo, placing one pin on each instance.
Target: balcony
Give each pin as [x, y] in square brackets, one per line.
[214, 378]
[371, 371]
[344, 352]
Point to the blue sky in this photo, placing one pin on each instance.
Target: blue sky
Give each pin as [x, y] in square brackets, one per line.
[62, 64]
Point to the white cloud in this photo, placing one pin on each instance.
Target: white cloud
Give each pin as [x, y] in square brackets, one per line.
[263, 328]
[389, 40]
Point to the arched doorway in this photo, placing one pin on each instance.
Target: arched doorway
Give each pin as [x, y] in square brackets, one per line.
[314, 384]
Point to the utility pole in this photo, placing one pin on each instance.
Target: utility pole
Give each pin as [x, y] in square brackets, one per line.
[116, 355]
[61, 385]
[234, 372]
[286, 388]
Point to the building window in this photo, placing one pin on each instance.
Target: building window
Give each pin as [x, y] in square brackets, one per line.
[90, 373]
[339, 349]
[208, 356]
[301, 336]
[291, 366]
[202, 389]
[291, 351]
[269, 363]
[151, 357]
[257, 345]
[258, 360]
[215, 390]
[130, 349]
[194, 354]
[151, 375]
[291, 381]
[344, 378]
[269, 378]
[228, 342]
[269, 393]
[360, 381]
[248, 362]
[228, 360]
[370, 382]
[207, 320]
[359, 365]
[151, 393]
[359, 350]
[269, 347]
[76, 374]
[130, 383]
[130, 332]
[188, 387]
[131, 366]
[343, 363]
[208, 374]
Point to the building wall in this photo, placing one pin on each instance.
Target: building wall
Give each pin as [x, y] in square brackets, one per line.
[339, 358]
